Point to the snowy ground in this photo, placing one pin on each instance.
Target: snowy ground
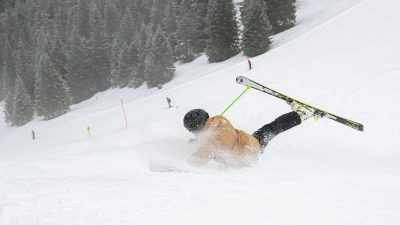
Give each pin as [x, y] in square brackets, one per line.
[343, 56]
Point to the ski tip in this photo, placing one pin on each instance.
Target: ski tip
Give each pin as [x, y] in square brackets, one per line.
[239, 80]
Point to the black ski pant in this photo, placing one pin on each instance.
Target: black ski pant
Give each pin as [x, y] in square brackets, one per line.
[279, 125]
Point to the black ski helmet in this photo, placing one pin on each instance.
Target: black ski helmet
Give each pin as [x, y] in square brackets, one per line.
[195, 120]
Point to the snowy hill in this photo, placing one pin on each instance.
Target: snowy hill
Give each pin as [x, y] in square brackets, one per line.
[342, 56]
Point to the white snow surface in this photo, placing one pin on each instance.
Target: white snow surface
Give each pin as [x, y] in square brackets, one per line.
[343, 56]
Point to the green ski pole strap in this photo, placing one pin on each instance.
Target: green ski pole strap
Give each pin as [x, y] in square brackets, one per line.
[247, 88]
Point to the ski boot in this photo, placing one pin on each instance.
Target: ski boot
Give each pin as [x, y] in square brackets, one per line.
[303, 111]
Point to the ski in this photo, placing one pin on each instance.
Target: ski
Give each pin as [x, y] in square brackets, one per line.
[318, 112]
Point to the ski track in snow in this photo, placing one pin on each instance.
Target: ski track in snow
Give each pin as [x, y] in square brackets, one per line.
[336, 58]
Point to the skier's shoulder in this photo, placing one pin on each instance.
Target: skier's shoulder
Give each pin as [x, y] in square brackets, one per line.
[219, 120]
[218, 117]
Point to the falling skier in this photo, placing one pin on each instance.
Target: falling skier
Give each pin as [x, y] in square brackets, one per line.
[220, 141]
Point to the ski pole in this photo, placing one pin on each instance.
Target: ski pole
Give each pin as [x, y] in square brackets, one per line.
[247, 88]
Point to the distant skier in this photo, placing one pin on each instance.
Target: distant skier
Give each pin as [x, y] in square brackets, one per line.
[169, 102]
[33, 135]
[249, 62]
[220, 141]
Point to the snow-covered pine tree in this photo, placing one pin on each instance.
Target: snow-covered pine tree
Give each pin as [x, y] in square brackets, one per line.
[58, 54]
[9, 71]
[77, 75]
[144, 9]
[169, 20]
[9, 108]
[49, 7]
[10, 23]
[188, 33]
[136, 80]
[149, 39]
[23, 108]
[136, 14]
[257, 30]
[157, 12]
[41, 45]
[61, 18]
[30, 7]
[223, 34]
[134, 52]
[23, 66]
[140, 40]
[125, 65]
[161, 66]
[173, 42]
[17, 32]
[170, 25]
[111, 18]
[52, 93]
[2, 47]
[116, 46]
[21, 29]
[281, 14]
[15, 48]
[99, 52]
[81, 13]
[2, 5]
[147, 50]
[127, 28]
[2, 96]
[201, 7]
[143, 42]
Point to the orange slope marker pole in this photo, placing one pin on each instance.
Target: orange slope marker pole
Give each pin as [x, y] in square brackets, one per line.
[123, 109]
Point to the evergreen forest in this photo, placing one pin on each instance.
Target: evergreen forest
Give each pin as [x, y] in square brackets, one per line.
[54, 53]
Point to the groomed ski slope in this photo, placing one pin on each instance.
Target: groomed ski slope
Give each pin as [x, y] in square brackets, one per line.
[343, 56]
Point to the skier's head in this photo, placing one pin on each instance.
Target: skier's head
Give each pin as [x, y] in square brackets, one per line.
[195, 120]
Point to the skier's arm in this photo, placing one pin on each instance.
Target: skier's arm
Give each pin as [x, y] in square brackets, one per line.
[203, 155]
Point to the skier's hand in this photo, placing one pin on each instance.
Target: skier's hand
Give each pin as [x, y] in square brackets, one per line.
[192, 140]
